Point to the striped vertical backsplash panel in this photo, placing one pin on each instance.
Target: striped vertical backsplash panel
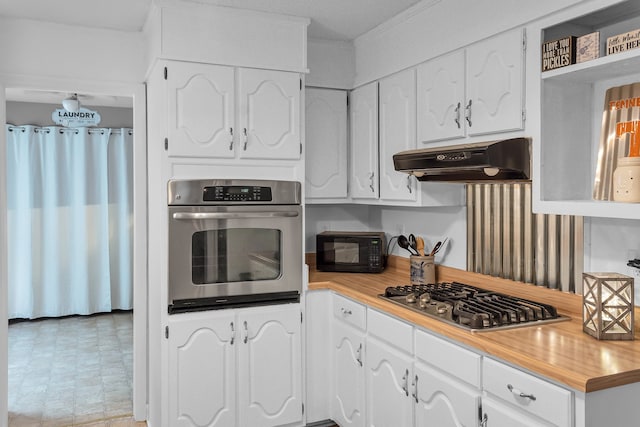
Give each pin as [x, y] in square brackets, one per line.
[505, 239]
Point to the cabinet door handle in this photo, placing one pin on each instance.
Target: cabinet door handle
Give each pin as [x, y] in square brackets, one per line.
[359, 355]
[518, 393]
[371, 182]
[246, 139]
[415, 389]
[457, 118]
[409, 184]
[233, 334]
[231, 142]
[246, 332]
[484, 421]
[346, 312]
[405, 382]
[467, 114]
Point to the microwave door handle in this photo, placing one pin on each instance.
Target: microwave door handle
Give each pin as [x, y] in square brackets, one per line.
[232, 215]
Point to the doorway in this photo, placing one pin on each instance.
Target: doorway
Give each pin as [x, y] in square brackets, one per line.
[136, 93]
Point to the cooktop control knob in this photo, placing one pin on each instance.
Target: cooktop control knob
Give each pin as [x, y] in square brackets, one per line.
[411, 298]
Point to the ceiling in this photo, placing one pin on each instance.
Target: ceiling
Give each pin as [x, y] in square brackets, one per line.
[340, 20]
[330, 19]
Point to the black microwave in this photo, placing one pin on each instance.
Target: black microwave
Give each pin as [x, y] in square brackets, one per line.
[350, 252]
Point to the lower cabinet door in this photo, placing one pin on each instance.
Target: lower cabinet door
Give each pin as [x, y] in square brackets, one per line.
[270, 366]
[444, 401]
[202, 376]
[496, 414]
[388, 382]
[347, 399]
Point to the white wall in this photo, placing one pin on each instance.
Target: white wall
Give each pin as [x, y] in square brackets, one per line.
[611, 243]
[36, 48]
[331, 64]
[433, 224]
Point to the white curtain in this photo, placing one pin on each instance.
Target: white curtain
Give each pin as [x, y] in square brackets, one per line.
[69, 197]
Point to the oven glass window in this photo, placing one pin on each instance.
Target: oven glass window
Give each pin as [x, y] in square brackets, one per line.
[342, 252]
[235, 255]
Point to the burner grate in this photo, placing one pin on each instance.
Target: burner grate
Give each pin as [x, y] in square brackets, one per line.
[470, 307]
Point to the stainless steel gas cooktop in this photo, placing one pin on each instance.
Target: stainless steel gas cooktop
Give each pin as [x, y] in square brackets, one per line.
[471, 308]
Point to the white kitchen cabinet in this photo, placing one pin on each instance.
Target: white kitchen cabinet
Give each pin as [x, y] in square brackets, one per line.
[441, 98]
[363, 150]
[397, 127]
[567, 137]
[530, 395]
[378, 131]
[326, 144]
[202, 369]
[348, 354]
[235, 367]
[473, 91]
[389, 378]
[232, 113]
[495, 84]
[442, 400]
[269, 366]
[347, 396]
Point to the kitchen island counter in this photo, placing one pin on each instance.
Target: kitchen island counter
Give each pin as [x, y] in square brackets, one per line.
[558, 351]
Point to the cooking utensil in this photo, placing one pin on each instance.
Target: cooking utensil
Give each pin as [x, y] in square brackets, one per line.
[438, 246]
[412, 242]
[435, 249]
[403, 242]
[420, 245]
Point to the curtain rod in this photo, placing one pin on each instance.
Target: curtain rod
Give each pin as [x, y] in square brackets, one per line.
[114, 131]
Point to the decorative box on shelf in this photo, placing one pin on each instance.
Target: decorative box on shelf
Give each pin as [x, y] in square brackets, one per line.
[558, 53]
[623, 42]
[607, 308]
[588, 47]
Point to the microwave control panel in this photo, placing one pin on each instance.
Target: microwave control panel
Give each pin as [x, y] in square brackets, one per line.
[236, 193]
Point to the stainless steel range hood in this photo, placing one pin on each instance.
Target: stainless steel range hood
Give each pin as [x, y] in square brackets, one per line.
[503, 160]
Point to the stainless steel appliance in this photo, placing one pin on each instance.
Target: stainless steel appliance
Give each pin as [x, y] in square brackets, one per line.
[350, 251]
[504, 160]
[233, 243]
[471, 308]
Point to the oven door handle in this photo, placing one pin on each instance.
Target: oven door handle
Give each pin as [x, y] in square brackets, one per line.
[232, 215]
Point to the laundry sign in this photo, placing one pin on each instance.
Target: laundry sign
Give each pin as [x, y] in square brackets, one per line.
[82, 117]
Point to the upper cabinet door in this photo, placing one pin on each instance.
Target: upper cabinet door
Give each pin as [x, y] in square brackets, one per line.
[397, 133]
[326, 143]
[364, 142]
[268, 114]
[441, 98]
[201, 110]
[495, 84]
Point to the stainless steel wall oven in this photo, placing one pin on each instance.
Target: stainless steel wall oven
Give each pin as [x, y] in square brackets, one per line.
[233, 243]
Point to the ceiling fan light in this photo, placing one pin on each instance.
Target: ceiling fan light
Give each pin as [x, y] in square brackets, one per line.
[71, 104]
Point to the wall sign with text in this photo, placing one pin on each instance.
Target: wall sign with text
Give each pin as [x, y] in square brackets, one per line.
[81, 118]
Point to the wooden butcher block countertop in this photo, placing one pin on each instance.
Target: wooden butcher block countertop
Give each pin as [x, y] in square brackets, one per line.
[559, 351]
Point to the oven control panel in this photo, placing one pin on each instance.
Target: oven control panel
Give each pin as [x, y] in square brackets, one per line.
[236, 193]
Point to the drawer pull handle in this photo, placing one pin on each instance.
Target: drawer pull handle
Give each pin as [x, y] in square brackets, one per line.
[233, 334]
[415, 390]
[518, 393]
[346, 312]
[405, 382]
[359, 355]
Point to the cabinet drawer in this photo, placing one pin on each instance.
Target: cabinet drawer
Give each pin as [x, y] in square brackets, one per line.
[548, 401]
[394, 331]
[350, 311]
[448, 357]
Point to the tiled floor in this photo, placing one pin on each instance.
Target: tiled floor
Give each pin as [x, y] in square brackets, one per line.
[71, 371]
